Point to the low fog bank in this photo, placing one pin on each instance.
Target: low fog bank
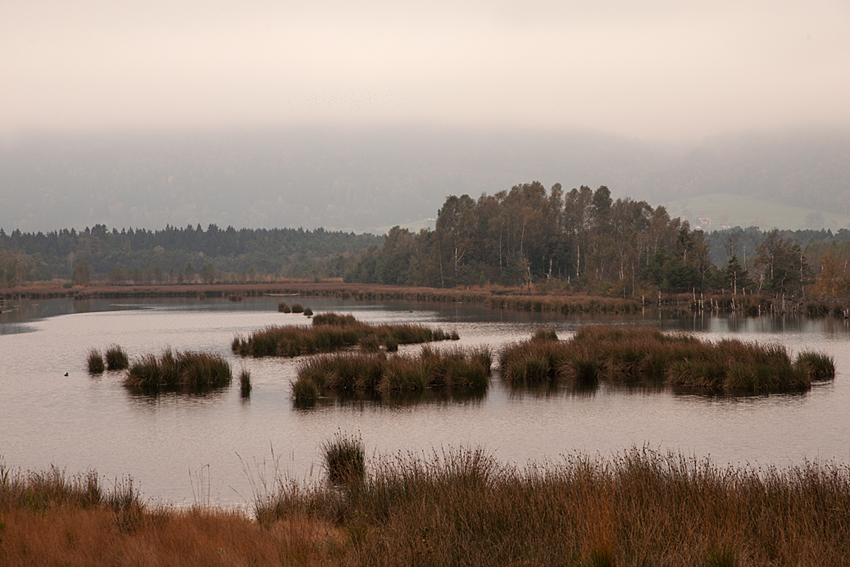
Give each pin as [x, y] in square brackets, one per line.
[363, 178]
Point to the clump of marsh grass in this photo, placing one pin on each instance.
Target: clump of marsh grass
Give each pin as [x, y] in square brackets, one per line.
[245, 382]
[336, 319]
[545, 334]
[817, 365]
[308, 312]
[283, 307]
[94, 362]
[345, 459]
[184, 370]
[647, 356]
[297, 308]
[332, 332]
[452, 370]
[116, 358]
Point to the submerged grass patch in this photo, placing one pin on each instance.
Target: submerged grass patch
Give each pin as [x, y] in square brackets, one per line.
[648, 356]
[331, 332]
[186, 370]
[457, 370]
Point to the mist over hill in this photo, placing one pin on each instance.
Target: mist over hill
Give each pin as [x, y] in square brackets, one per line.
[362, 178]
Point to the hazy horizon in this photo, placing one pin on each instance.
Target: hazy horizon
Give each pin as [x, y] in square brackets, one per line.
[661, 70]
[358, 115]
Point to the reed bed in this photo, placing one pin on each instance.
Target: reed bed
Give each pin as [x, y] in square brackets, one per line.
[332, 332]
[116, 358]
[647, 356]
[40, 491]
[54, 519]
[336, 319]
[462, 507]
[453, 507]
[284, 307]
[457, 370]
[186, 370]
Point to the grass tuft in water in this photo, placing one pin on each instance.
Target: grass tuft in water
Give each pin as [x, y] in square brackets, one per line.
[452, 370]
[189, 371]
[647, 356]
[94, 362]
[345, 459]
[116, 358]
[816, 365]
[331, 332]
[245, 382]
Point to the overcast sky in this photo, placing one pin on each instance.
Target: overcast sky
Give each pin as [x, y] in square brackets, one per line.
[652, 69]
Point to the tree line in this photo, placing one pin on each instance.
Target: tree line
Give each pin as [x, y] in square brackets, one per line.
[176, 255]
[580, 239]
[583, 239]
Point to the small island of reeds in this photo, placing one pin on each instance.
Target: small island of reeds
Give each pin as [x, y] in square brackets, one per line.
[455, 370]
[331, 332]
[181, 371]
[648, 356]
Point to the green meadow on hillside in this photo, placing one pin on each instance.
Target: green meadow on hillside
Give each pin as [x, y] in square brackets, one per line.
[737, 210]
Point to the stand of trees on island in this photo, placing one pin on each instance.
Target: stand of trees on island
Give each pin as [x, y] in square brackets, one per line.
[578, 240]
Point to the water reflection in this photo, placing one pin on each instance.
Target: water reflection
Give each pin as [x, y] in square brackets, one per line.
[393, 400]
[152, 399]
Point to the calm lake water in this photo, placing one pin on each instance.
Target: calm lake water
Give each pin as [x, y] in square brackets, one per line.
[180, 448]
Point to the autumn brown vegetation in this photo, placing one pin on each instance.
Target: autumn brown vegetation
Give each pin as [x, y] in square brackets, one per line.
[331, 332]
[187, 371]
[455, 507]
[456, 370]
[648, 356]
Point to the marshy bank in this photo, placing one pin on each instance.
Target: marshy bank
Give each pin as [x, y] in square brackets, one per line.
[541, 300]
[331, 332]
[454, 507]
[646, 356]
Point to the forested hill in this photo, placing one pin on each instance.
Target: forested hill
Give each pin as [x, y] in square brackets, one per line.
[177, 254]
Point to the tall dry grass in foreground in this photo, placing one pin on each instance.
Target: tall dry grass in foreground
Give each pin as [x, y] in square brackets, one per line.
[648, 356]
[640, 508]
[332, 332]
[456, 507]
[53, 519]
[457, 370]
